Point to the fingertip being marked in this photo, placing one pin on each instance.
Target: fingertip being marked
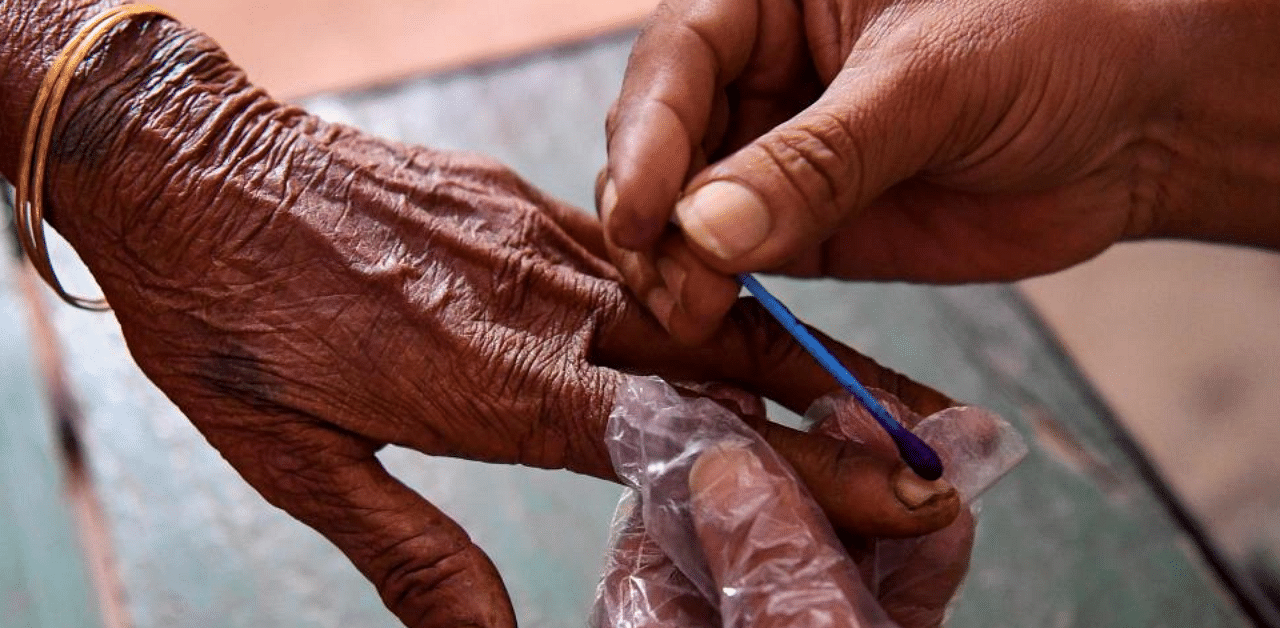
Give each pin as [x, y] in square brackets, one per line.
[916, 492]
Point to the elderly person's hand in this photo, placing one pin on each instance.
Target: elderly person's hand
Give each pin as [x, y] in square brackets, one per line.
[933, 141]
[307, 294]
[720, 533]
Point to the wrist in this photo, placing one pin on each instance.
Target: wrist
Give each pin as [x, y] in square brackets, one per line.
[1222, 125]
[146, 131]
[34, 33]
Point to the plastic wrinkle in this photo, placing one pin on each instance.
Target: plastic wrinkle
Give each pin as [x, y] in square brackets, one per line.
[642, 588]
[774, 558]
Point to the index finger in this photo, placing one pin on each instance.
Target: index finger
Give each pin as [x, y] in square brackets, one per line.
[688, 50]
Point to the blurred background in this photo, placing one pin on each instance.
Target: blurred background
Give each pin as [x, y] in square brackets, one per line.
[1183, 340]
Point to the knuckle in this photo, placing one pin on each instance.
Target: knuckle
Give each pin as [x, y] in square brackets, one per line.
[820, 162]
[413, 583]
[707, 38]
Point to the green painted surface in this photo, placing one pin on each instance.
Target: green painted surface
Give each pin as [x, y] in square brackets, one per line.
[1075, 536]
[43, 579]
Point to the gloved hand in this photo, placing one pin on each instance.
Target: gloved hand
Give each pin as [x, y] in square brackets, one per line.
[719, 532]
[932, 141]
[307, 294]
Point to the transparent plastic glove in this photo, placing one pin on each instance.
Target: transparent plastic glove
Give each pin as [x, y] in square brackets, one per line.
[916, 579]
[720, 532]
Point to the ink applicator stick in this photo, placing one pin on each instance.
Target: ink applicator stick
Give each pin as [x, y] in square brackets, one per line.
[918, 455]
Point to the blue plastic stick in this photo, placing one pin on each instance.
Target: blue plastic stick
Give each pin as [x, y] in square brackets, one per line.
[919, 456]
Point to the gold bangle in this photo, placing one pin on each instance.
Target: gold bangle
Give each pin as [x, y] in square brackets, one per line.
[29, 204]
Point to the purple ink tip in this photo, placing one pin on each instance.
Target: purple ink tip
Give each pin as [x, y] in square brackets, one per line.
[918, 455]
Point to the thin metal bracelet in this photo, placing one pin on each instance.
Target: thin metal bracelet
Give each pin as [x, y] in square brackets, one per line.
[29, 188]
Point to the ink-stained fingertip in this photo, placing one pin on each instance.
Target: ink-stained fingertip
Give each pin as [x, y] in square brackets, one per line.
[914, 492]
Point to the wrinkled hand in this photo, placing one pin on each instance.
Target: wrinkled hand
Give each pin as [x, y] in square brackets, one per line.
[719, 533]
[932, 141]
[307, 294]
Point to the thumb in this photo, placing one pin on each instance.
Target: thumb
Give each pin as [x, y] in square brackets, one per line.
[425, 567]
[788, 190]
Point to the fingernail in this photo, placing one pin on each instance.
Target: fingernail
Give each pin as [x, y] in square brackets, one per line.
[725, 218]
[916, 492]
[608, 199]
[672, 274]
[661, 304]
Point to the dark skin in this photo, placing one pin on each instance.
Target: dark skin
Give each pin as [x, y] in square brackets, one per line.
[933, 141]
[307, 294]
[753, 522]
